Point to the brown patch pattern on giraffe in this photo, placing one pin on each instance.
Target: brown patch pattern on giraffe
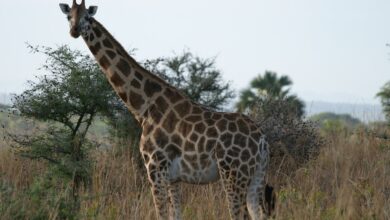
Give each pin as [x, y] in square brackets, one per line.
[139, 75]
[95, 48]
[183, 108]
[147, 128]
[201, 144]
[221, 125]
[134, 83]
[107, 43]
[111, 54]
[124, 67]
[136, 100]
[148, 146]
[155, 114]
[193, 118]
[117, 80]
[161, 103]
[212, 132]
[161, 139]
[104, 62]
[200, 127]
[151, 87]
[189, 146]
[123, 96]
[194, 137]
[91, 37]
[176, 139]
[97, 32]
[197, 110]
[173, 151]
[210, 145]
[170, 122]
[172, 95]
[184, 128]
[242, 126]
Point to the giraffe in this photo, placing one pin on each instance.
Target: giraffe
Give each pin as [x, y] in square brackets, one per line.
[181, 141]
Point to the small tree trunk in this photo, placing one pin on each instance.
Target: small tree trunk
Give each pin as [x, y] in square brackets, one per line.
[77, 176]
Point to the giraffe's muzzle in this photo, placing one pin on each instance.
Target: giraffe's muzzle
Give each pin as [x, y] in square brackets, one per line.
[75, 32]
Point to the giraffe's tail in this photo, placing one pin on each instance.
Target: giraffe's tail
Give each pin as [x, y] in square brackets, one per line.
[255, 199]
[264, 153]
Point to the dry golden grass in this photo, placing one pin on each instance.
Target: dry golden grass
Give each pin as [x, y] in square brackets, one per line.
[16, 171]
[350, 179]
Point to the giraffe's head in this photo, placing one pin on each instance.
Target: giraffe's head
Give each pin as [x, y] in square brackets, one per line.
[78, 16]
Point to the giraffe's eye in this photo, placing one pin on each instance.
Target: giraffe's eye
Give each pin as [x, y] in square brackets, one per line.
[68, 17]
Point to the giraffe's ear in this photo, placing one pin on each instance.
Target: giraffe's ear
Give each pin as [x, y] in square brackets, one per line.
[92, 10]
[65, 8]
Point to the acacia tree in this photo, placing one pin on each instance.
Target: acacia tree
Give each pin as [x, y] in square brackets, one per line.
[384, 95]
[69, 97]
[196, 77]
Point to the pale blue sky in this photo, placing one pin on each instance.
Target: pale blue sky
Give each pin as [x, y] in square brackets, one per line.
[332, 50]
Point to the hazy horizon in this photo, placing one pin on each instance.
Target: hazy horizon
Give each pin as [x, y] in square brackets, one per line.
[364, 112]
[333, 51]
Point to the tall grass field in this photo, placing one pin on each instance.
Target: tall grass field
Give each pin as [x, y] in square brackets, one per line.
[349, 179]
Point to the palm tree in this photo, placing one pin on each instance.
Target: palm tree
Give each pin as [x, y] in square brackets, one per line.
[384, 95]
[271, 86]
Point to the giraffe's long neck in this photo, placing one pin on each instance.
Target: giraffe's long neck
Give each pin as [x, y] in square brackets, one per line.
[138, 88]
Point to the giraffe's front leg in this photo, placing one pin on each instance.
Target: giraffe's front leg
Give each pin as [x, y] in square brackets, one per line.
[174, 201]
[159, 190]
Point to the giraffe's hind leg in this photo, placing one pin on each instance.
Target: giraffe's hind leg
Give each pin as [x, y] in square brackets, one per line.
[174, 201]
[235, 186]
[256, 188]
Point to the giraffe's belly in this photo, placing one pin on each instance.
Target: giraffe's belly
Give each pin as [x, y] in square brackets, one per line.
[181, 171]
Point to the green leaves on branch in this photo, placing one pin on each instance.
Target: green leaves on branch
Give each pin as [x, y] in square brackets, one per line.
[384, 95]
[72, 94]
[196, 77]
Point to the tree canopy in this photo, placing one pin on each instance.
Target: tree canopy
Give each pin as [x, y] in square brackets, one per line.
[346, 119]
[271, 86]
[197, 77]
[71, 94]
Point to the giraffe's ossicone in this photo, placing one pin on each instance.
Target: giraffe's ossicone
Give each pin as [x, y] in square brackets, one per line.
[181, 141]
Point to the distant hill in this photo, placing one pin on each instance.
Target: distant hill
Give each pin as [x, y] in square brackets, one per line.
[363, 112]
[346, 119]
[3, 107]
